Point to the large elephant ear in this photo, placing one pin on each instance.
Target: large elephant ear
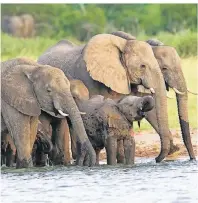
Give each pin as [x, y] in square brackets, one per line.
[17, 89]
[102, 58]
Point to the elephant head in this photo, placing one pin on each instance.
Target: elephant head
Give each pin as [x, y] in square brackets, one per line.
[32, 88]
[170, 66]
[134, 108]
[126, 61]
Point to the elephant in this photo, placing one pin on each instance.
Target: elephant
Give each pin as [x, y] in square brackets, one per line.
[19, 26]
[42, 146]
[170, 66]
[109, 65]
[43, 88]
[28, 25]
[108, 122]
[12, 25]
[8, 150]
[61, 153]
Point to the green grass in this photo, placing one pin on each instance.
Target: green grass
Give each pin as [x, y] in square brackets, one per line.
[17, 47]
[14, 47]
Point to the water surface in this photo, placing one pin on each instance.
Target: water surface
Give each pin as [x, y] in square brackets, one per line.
[147, 182]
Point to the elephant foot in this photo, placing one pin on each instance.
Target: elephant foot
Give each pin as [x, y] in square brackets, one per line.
[24, 163]
[173, 149]
[162, 155]
[85, 151]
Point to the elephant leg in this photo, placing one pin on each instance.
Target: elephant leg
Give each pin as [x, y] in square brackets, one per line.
[33, 130]
[129, 150]
[152, 119]
[10, 151]
[3, 152]
[62, 140]
[73, 143]
[120, 152]
[98, 157]
[18, 126]
[86, 160]
[111, 149]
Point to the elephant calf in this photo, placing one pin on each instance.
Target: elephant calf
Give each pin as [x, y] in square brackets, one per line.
[108, 122]
[41, 148]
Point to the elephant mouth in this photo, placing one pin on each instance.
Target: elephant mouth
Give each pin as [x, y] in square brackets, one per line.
[141, 113]
[141, 89]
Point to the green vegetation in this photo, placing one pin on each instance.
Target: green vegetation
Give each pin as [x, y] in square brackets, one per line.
[86, 20]
[185, 42]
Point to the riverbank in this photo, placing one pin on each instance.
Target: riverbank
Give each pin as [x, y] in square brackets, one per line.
[148, 144]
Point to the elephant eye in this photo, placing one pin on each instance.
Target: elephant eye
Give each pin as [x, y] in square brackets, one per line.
[49, 89]
[165, 67]
[142, 66]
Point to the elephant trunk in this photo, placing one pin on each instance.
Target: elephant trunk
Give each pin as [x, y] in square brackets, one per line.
[182, 105]
[147, 103]
[83, 143]
[161, 114]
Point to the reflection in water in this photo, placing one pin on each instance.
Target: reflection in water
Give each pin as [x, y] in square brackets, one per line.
[147, 181]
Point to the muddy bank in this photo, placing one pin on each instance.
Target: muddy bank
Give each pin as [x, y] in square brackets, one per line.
[148, 144]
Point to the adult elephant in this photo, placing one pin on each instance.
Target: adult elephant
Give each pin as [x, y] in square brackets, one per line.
[108, 65]
[12, 25]
[170, 66]
[28, 25]
[27, 88]
[19, 26]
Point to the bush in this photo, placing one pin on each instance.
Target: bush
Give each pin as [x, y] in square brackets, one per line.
[185, 42]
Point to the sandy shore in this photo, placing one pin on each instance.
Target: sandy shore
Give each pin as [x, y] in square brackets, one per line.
[148, 144]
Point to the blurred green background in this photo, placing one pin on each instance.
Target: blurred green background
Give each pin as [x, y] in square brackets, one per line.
[173, 24]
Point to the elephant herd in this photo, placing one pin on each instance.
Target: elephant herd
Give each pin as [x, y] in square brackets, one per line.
[19, 26]
[86, 97]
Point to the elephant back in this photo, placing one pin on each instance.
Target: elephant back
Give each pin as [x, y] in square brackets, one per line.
[111, 117]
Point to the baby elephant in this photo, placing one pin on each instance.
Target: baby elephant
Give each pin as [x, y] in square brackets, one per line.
[107, 122]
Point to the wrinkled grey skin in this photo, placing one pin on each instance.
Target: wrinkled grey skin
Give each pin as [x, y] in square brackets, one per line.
[108, 122]
[70, 59]
[18, 26]
[20, 111]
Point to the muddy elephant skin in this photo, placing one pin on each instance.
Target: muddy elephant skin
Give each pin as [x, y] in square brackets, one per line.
[108, 122]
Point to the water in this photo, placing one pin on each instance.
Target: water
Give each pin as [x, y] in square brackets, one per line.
[145, 182]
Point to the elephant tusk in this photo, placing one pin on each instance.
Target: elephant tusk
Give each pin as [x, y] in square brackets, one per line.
[152, 90]
[82, 113]
[192, 92]
[63, 114]
[177, 91]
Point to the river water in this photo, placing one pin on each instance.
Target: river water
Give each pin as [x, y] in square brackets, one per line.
[147, 182]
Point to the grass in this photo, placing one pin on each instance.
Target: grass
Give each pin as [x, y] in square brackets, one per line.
[32, 48]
